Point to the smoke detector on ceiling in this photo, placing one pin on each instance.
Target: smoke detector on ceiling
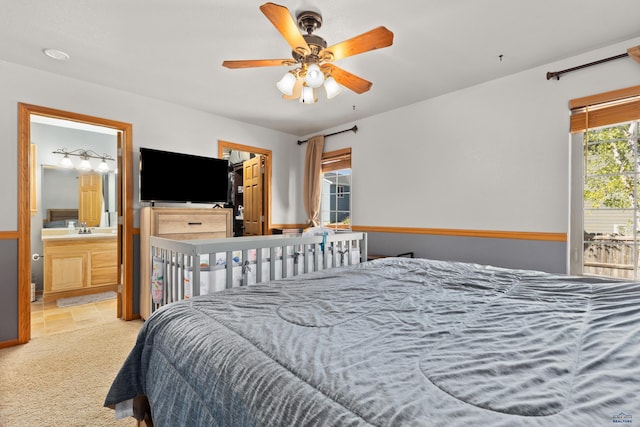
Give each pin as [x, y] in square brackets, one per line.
[56, 54]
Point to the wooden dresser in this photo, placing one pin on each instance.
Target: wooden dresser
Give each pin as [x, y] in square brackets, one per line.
[178, 224]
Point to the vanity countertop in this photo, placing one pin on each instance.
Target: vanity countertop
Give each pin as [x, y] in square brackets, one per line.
[61, 234]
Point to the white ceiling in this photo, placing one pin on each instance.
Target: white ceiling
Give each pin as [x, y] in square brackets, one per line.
[173, 49]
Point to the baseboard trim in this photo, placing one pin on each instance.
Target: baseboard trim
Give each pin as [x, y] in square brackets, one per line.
[10, 343]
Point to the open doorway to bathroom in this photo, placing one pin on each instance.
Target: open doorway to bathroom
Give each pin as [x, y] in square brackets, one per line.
[73, 225]
[88, 221]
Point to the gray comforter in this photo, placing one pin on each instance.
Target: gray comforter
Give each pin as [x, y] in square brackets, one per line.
[395, 342]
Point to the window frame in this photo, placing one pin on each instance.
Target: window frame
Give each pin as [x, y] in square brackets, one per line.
[590, 112]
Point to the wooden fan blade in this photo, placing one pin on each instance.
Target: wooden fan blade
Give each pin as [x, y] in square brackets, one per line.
[348, 80]
[634, 52]
[375, 39]
[297, 90]
[283, 21]
[258, 63]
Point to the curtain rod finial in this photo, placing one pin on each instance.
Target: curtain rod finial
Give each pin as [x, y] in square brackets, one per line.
[551, 75]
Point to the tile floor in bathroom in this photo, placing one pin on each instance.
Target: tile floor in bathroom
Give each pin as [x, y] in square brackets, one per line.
[48, 319]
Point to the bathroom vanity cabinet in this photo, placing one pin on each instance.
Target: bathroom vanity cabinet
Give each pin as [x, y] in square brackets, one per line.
[77, 264]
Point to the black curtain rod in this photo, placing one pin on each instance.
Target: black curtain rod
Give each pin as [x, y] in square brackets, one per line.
[354, 129]
[557, 74]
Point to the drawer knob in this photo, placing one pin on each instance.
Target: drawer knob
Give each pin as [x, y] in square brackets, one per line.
[195, 223]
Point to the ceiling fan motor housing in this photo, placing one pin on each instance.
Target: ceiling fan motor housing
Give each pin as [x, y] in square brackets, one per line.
[308, 22]
[316, 44]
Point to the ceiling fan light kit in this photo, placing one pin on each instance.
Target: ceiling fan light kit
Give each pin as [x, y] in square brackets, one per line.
[286, 83]
[308, 95]
[314, 77]
[332, 87]
[312, 58]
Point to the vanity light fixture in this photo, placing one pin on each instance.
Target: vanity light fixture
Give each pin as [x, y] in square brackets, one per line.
[85, 155]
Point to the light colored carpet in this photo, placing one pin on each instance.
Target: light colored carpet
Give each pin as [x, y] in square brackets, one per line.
[62, 379]
[85, 299]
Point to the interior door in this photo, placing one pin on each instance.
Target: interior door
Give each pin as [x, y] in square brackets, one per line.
[252, 184]
[90, 199]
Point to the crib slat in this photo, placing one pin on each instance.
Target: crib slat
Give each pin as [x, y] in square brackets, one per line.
[285, 258]
[245, 268]
[296, 259]
[325, 255]
[229, 269]
[196, 275]
[316, 257]
[272, 263]
[348, 252]
[259, 265]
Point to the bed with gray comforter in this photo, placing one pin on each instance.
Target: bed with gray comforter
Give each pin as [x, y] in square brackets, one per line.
[394, 342]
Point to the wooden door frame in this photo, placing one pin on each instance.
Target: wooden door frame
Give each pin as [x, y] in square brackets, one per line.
[24, 211]
[268, 158]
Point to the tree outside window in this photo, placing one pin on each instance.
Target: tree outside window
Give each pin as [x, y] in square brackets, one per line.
[611, 210]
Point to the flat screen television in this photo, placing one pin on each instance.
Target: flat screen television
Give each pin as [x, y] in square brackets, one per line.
[175, 177]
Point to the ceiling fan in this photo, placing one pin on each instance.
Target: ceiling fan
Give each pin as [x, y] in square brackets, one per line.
[313, 58]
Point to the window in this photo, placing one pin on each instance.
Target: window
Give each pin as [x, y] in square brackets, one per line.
[335, 205]
[605, 202]
[610, 207]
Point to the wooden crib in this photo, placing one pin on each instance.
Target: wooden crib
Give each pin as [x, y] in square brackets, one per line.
[181, 269]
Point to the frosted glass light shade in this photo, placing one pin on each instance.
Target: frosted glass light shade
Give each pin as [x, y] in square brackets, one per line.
[103, 166]
[66, 162]
[85, 165]
[332, 88]
[285, 85]
[308, 96]
[314, 77]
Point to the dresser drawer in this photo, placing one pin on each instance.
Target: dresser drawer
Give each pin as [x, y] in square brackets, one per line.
[169, 224]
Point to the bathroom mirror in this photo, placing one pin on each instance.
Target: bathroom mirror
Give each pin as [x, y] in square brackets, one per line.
[59, 193]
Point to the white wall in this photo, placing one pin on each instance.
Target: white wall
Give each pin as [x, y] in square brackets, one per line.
[156, 124]
[490, 157]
